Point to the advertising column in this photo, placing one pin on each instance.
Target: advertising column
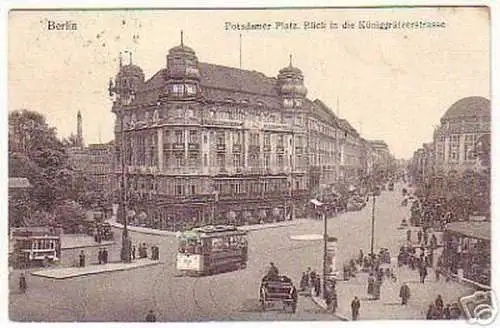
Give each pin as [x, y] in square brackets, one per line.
[331, 255]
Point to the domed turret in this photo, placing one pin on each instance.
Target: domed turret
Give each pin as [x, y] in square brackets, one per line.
[291, 81]
[182, 63]
[128, 80]
[182, 74]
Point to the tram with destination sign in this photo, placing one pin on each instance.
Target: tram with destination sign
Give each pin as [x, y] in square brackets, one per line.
[211, 249]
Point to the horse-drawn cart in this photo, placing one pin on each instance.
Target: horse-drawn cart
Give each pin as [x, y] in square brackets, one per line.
[278, 290]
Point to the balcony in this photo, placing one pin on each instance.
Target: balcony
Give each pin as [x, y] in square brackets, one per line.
[236, 148]
[267, 147]
[221, 147]
[254, 148]
[178, 146]
[280, 149]
[299, 150]
[193, 146]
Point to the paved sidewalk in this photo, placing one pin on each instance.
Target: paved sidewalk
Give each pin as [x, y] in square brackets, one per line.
[71, 272]
[254, 227]
[389, 306]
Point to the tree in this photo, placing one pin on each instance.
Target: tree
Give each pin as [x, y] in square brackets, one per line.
[36, 153]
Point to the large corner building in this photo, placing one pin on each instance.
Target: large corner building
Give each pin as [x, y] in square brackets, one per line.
[204, 143]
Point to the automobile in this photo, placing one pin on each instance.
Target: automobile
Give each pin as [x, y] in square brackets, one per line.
[278, 291]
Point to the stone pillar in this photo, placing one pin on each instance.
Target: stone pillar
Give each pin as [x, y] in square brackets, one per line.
[446, 149]
[461, 149]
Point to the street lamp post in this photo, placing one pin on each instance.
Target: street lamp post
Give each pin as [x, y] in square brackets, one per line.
[125, 250]
[373, 224]
[325, 249]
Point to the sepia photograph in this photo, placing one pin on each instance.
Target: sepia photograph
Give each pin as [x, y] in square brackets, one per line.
[260, 164]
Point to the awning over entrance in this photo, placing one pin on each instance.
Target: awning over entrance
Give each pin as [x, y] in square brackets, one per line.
[316, 202]
[478, 230]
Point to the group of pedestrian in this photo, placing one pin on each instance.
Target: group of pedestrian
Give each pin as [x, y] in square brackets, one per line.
[437, 310]
[102, 256]
[310, 283]
[143, 252]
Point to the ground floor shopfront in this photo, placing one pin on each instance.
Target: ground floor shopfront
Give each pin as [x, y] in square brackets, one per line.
[177, 214]
[467, 250]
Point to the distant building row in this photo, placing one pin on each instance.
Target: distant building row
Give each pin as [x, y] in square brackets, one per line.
[457, 142]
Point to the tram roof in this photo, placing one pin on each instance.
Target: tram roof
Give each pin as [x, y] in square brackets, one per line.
[212, 231]
[478, 230]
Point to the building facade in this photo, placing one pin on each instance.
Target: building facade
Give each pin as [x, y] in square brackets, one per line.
[463, 124]
[204, 143]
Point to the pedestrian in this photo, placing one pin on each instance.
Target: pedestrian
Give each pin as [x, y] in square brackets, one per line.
[317, 286]
[82, 259]
[333, 300]
[151, 317]
[419, 236]
[433, 241]
[153, 253]
[133, 252]
[303, 282]
[145, 250]
[430, 312]
[404, 293]
[446, 312]
[105, 255]
[423, 274]
[361, 257]
[157, 253]
[355, 305]
[376, 290]
[408, 235]
[426, 238]
[371, 283]
[22, 283]
[437, 272]
[439, 304]
[99, 256]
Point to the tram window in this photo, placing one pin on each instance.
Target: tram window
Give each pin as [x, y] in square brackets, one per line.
[190, 246]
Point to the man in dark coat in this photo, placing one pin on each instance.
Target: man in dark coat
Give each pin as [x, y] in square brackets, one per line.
[404, 293]
[105, 255]
[408, 235]
[371, 283]
[317, 286]
[133, 252]
[439, 304]
[355, 305]
[151, 317]
[22, 283]
[82, 259]
[423, 273]
[419, 236]
[99, 256]
[446, 312]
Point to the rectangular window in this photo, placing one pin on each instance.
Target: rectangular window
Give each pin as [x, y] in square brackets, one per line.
[180, 161]
[179, 189]
[267, 139]
[220, 160]
[221, 139]
[280, 161]
[193, 136]
[190, 89]
[267, 161]
[236, 138]
[280, 140]
[236, 160]
[179, 136]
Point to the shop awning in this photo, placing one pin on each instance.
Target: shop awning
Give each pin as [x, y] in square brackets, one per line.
[478, 230]
[316, 202]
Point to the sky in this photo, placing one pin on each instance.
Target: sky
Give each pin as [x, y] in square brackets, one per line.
[392, 85]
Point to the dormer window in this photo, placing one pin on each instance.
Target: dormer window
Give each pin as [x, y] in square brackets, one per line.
[298, 102]
[190, 89]
[288, 103]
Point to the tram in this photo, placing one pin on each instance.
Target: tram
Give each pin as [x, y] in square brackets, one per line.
[211, 249]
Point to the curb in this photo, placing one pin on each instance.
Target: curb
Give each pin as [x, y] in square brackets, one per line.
[40, 274]
[340, 316]
[88, 246]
